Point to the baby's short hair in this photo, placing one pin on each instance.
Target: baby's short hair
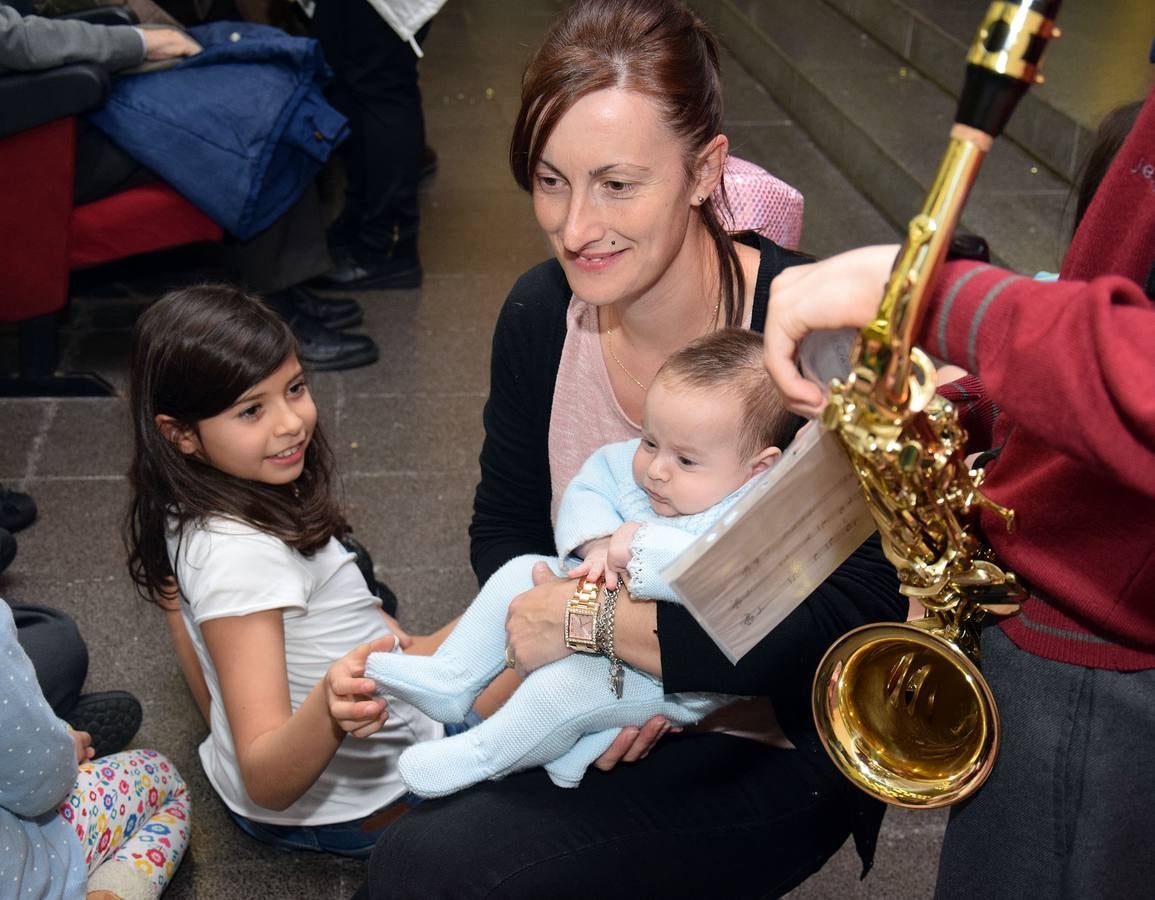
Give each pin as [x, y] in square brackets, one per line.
[730, 359]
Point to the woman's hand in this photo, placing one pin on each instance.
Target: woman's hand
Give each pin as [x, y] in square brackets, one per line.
[351, 697]
[839, 292]
[534, 625]
[633, 744]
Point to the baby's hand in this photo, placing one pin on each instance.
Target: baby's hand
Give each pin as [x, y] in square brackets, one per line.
[618, 557]
[352, 704]
[593, 564]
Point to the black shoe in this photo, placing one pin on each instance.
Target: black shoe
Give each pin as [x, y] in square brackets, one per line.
[378, 589]
[389, 273]
[111, 717]
[17, 510]
[325, 350]
[7, 549]
[336, 312]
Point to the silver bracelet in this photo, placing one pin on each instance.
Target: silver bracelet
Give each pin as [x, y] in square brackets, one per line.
[604, 638]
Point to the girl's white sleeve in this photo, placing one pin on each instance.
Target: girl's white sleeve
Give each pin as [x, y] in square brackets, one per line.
[228, 569]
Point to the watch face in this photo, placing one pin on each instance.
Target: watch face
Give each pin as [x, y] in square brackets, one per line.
[581, 626]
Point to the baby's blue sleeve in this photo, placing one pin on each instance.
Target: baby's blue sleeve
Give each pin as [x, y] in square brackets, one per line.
[653, 548]
[589, 506]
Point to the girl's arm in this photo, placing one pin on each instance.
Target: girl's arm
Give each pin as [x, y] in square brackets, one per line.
[280, 753]
[186, 654]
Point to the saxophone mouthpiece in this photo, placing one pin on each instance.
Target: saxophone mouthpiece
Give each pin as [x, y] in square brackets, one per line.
[1004, 61]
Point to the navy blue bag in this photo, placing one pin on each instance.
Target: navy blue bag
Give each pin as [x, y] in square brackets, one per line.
[239, 130]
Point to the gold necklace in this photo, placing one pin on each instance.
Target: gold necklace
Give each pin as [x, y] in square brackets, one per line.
[712, 322]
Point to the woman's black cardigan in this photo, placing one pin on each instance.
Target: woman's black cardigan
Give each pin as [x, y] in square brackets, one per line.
[511, 517]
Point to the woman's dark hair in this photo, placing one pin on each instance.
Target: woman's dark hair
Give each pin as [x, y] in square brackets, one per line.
[656, 48]
[194, 352]
[1109, 137]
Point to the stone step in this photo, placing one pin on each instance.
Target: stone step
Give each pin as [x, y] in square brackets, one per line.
[1099, 62]
[885, 125]
[933, 37]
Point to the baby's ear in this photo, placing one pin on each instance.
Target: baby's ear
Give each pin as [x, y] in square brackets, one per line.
[765, 459]
[179, 435]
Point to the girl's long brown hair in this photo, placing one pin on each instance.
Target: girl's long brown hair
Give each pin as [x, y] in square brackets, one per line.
[194, 352]
[657, 48]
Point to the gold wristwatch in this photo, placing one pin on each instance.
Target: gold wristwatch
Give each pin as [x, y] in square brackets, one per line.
[581, 613]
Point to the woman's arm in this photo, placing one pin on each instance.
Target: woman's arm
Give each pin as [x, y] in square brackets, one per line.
[511, 508]
[280, 753]
[665, 640]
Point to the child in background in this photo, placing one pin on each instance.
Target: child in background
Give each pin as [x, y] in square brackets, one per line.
[117, 827]
[233, 495]
[711, 422]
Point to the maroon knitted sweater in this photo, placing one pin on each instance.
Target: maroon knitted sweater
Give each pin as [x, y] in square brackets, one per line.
[1071, 367]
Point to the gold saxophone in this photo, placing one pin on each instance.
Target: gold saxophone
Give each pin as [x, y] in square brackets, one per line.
[902, 709]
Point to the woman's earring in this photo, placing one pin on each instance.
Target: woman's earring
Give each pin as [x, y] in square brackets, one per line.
[701, 200]
[613, 243]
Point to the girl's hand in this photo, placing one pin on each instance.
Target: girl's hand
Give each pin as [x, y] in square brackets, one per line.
[534, 624]
[403, 636]
[83, 742]
[838, 292]
[351, 696]
[633, 744]
[593, 564]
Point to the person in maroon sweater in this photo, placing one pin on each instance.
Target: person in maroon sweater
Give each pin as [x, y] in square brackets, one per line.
[1070, 367]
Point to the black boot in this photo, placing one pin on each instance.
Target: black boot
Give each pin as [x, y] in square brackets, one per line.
[7, 549]
[358, 271]
[17, 510]
[325, 350]
[335, 312]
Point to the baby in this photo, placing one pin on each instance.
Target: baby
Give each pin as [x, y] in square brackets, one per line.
[711, 422]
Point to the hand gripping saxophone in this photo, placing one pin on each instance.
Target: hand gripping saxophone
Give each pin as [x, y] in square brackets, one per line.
[903, 709]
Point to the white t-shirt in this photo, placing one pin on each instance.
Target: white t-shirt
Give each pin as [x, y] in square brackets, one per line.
[226, 568]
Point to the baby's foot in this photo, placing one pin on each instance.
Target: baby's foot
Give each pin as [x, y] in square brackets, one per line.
[434, 685]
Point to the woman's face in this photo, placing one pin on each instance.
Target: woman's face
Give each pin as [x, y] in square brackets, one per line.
[611, 194]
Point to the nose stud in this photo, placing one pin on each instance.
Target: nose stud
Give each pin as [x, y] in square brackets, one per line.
[613, 243]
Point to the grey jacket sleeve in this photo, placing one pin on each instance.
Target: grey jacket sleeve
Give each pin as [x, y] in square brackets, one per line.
[28, 43]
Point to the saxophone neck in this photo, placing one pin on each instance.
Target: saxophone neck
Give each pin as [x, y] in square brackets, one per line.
[882, 367]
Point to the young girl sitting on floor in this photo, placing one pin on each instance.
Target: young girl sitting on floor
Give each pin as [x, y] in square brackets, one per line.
[711, 422]
[115, 826]
[233, 495]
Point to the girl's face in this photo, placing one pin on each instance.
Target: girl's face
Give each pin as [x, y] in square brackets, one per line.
[688, 457]
[263, 435]
[611, 194]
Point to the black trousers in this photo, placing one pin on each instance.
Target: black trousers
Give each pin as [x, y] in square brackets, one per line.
[376, 89]
[701, 816]
[58, 653]
[290, 251]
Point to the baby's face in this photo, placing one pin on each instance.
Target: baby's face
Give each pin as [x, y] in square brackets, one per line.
[688, 457]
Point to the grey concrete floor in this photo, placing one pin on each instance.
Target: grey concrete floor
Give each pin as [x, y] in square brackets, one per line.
[407, 432]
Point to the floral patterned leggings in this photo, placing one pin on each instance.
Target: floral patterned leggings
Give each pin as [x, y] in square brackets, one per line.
[131, 813]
